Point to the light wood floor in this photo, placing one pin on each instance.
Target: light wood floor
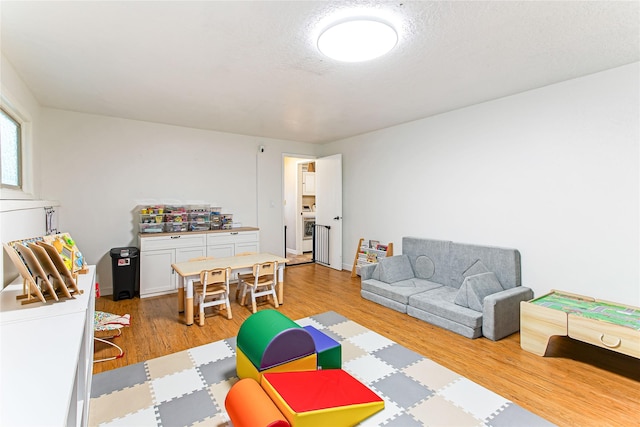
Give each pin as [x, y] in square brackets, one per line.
[576, 384]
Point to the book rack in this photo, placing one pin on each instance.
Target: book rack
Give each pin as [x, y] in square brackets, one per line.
[368, 252]
[49, 271]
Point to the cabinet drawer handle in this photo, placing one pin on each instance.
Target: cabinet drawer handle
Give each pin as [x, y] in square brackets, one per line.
[175, 237]
[234, 232]
[617, 344]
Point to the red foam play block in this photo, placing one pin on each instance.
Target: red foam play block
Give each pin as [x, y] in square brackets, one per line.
[316, 390]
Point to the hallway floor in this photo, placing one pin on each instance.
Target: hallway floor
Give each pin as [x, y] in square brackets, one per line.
[299, 259]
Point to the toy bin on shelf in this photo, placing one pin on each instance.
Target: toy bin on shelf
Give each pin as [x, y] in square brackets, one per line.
[151, 220]
[227, 221]
[176, 222]
[199, 217]
[152, 228]
[175, 227]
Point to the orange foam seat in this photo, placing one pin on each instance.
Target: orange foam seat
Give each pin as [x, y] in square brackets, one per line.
[249, 406]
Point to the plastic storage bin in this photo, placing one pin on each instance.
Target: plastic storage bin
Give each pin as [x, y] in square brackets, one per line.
[152, 228]
[125, 265]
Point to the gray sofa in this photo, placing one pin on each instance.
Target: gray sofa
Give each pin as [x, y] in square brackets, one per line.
[471, 290]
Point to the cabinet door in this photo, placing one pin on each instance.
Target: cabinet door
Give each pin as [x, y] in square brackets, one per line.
[247, 247]
[221, 251]
[185, 254]
[308, 183]
[156, 274]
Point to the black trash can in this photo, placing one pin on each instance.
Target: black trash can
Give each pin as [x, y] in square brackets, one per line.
[126, 272]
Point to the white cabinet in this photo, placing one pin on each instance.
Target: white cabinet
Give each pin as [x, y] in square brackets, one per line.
[308, 183]
[157, 253]
[231, 243]
[47, 357]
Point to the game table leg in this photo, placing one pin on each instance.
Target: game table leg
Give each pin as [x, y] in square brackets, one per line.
[538, 325]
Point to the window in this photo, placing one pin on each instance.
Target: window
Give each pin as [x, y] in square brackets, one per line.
[11, 148]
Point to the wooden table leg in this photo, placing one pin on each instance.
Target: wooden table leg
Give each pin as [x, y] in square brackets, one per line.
[180, 300]
[188, 314]
[281, 285]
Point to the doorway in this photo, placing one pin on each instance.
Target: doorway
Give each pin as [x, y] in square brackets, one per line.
[313, 189]
[299, 208]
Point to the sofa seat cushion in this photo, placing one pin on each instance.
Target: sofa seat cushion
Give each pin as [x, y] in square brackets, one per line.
[395, 269]
[398, 291]
[475, 288]
[440, 302]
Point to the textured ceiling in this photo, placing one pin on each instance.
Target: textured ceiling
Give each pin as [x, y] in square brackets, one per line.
[253, 68]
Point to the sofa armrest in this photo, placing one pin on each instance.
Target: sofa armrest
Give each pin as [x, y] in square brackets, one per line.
[366, 271]
[501, 312]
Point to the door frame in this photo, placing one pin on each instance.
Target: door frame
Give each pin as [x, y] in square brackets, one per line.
[298, 158]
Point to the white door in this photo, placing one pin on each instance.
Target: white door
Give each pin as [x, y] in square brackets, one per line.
[329, 207]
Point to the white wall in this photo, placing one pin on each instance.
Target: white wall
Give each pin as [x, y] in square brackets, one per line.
[20, 219]
[100, 168]
[552, 172]
[17, 97]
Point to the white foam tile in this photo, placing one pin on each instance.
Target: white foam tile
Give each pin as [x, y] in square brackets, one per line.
[145, 417]
[210, 352]
[371, 341]
[390, 411]
[307, 321]
[474, 398]
[368, 368]
[176, 385]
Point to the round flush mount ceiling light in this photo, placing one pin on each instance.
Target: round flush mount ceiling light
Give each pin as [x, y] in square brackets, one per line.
[357, 40]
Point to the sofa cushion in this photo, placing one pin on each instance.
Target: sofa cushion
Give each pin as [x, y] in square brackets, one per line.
[476, 268]
[395, 268]
[475, 287]
[504, 262]
[424, 267]
[439, 302]
[398, 291]
[376, 273]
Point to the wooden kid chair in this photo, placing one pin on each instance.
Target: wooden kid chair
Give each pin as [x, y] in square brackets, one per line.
[261, 283]
[238, 287]
[212, 290]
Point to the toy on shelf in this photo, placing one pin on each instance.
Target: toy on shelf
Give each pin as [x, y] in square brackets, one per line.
[66, 247]
[182, 218]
